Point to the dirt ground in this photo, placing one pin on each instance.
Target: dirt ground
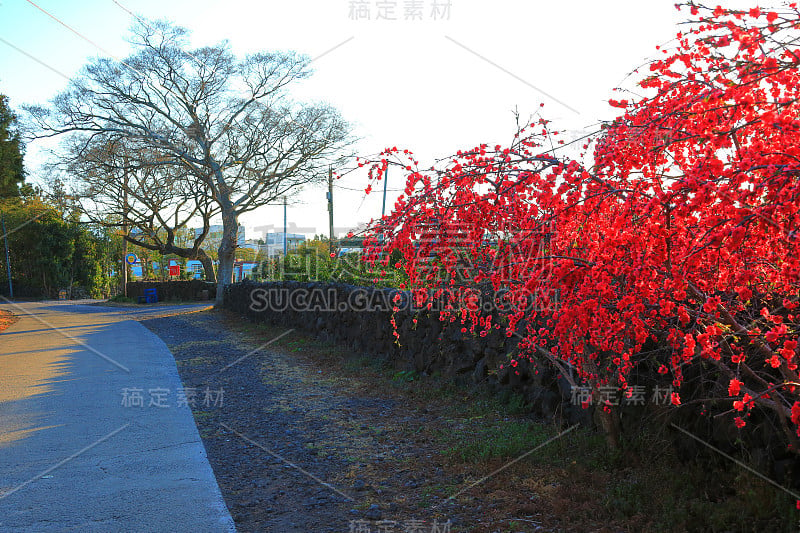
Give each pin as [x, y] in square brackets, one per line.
[6, 319]
[304, 436]
[298, 446]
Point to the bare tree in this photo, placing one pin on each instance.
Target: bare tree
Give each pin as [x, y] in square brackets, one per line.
[116, 186]
[206, 118]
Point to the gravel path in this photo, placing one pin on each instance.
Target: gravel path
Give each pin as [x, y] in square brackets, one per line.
[305, 436]
[257, 434]
[287, 443]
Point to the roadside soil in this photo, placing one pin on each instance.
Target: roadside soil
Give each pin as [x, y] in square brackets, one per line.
[6, 319]
[306, 436]
[300, 443]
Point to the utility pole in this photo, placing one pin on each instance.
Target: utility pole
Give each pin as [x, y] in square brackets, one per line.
[330, 210]
[385, 181]
[124, 276]
[8, 259]
[383, 208]
[285, 237]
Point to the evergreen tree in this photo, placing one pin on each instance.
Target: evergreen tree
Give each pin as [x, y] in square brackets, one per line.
[12, 172]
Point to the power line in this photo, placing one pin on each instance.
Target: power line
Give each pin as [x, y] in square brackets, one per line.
[121, 61]
[362, 190]
[145, 24]
[200, 63]
[76, 32]
[156, 82]
[33, 58]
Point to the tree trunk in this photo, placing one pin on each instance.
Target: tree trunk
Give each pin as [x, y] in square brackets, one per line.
[227, 250]
[124, 272]
[208, 266]
[609, 422]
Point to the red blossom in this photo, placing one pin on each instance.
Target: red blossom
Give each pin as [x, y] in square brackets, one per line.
[734, 386]
[675, 398]
[680, 228]
[796, 413]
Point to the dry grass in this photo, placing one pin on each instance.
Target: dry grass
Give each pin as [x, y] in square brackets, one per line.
[443, 439]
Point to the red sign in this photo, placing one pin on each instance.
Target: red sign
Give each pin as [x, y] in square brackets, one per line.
[174, 270]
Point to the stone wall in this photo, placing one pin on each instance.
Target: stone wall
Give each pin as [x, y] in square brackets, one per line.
[360, 318]
[173, 290]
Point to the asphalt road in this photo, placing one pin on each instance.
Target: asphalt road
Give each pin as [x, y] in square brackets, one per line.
[95, 430]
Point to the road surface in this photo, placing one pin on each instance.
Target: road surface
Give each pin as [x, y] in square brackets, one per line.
[95, 429]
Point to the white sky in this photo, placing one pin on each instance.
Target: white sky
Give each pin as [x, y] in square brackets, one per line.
[432, 86]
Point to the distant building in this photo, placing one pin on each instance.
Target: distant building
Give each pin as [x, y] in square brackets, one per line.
[252, 244]
[194, 268]
[350, 245]
[273, 242]
[244, 269]
[215, 235]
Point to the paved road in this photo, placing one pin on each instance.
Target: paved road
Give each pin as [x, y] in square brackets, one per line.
[77, 452]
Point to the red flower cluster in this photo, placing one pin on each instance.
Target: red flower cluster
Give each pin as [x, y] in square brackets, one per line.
[682, 231]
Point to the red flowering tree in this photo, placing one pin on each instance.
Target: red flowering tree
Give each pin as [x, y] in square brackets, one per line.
[680, 228]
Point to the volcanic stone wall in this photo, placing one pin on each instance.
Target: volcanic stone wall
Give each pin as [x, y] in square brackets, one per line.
[361, 318]
[173, 290]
